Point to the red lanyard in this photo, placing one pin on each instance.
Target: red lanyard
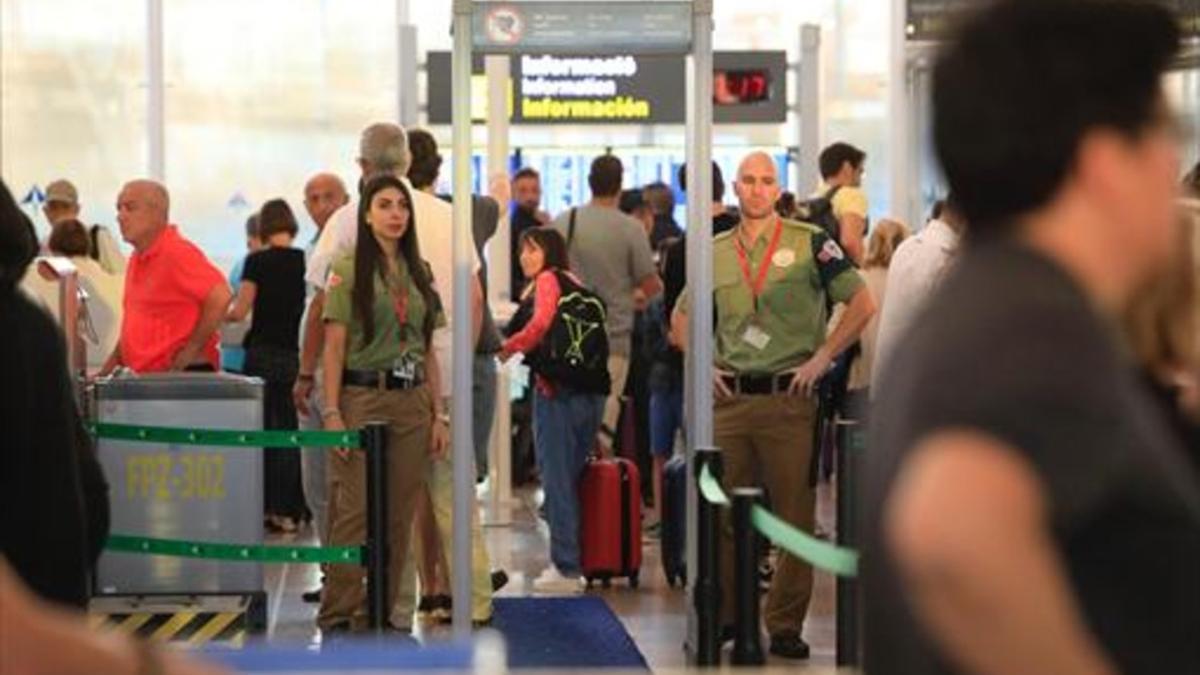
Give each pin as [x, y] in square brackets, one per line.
[756, 285]
[400, 307]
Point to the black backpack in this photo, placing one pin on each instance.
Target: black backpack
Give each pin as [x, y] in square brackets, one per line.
[819, 211]
[574, 351]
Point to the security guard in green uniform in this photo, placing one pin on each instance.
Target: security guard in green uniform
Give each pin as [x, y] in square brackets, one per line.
[771, 279]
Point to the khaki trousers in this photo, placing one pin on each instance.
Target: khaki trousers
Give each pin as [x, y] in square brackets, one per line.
[618, 372]
[767, 441]
[409, 416]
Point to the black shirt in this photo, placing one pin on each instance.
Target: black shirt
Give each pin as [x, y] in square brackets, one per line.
[279, 302]
[54, 509]
[665, 228]
[1012, 348]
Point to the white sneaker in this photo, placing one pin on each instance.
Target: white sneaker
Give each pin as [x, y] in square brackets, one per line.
[553, 582]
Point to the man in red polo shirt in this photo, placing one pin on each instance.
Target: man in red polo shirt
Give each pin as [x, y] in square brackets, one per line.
[175, 299]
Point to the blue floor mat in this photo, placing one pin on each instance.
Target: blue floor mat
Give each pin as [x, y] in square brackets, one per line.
[580, 632]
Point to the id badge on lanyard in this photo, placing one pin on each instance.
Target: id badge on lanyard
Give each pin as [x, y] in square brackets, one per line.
[754, 335]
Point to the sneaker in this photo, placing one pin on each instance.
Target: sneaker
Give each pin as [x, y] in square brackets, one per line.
[789, 645]
[499, 580]
[553, 582]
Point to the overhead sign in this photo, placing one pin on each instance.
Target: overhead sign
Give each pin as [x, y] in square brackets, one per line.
[748, 87]
[934, 19]
[582, 27]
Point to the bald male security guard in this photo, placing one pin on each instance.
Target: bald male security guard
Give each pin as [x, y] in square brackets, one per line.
[771, 278]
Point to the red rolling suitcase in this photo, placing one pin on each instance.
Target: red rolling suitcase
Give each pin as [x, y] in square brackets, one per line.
[611, 531]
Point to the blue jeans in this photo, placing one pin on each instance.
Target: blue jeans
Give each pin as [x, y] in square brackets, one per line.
[564, 433]
[483, 409]
[666, 417]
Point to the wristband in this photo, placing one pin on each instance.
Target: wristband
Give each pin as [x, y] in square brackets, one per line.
[330, 412]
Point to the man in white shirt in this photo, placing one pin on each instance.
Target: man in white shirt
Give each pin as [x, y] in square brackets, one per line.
[383, 148]
[918, 267]
[324, 194]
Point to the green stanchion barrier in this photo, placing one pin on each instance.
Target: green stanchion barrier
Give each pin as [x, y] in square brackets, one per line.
[820, 554]
[227, 437]
[351, 555]
[711, 488]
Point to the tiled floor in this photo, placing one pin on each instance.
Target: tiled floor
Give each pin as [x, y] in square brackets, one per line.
[655, 614]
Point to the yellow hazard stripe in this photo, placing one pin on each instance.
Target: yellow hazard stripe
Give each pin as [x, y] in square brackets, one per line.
[97, 621]
[238, 640]
[133, 622]
[170, 628]
[213, 628]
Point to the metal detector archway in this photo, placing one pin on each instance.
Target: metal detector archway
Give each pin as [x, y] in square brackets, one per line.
[582, 27]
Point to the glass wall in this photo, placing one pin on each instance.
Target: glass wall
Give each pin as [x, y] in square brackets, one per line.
[260, 95]
[72, 101]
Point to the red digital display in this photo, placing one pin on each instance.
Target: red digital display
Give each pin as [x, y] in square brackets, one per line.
[741, 87]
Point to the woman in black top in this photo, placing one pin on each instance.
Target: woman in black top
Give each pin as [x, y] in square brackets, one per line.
[273, 285]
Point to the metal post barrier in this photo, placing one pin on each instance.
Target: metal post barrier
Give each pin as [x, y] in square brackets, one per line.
[747, 644]
[706, 589]
[850, 446]
[374, 437]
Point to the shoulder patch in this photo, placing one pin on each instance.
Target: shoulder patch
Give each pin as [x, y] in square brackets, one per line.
[800, 225]
[334, 280]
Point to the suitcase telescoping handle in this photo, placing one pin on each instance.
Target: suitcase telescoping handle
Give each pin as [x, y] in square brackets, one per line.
[626, 516]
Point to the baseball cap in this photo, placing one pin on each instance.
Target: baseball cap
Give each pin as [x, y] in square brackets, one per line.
[62, 191]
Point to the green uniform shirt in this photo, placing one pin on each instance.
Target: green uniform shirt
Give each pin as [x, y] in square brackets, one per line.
[790, 324]
[384, 352]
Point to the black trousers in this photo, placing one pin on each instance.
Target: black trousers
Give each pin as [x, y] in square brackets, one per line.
[283, 487]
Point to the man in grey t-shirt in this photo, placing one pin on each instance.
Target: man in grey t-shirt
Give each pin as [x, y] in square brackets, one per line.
[610, 252]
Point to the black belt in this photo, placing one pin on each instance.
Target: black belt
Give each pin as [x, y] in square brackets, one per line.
[378, 379]
[758, 385]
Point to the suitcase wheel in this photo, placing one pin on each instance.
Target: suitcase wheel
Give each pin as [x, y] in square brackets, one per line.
[606, 582]
[589, 582]
[634, 580]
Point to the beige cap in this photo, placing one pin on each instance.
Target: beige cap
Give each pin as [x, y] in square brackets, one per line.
[62, 191]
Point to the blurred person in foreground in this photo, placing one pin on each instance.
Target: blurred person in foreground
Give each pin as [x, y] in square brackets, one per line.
[1027, 509]
[40, 639]
[54, 511]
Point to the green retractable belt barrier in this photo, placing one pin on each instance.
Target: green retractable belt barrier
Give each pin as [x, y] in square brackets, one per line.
[227, 437]
[821, 554]
[248, 553]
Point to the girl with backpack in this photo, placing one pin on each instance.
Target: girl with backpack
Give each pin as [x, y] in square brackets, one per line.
[560, 328]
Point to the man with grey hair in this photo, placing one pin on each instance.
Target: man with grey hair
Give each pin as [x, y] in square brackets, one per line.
[383, 148]
[175, 298]
[324, 194]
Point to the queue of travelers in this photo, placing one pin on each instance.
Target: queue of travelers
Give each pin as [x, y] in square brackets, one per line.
[1027, 361]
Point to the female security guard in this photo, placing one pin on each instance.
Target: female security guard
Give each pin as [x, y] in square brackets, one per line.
[380, 313]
